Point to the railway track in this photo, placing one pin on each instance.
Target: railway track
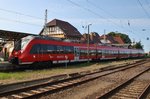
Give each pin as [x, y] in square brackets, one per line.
[75, 79]
[132, 88]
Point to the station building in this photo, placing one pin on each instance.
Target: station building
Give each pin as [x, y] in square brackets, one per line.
[61, 29]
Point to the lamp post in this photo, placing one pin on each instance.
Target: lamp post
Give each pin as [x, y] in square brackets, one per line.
[88, 41]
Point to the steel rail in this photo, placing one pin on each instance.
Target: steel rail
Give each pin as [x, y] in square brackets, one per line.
[114, 89]
[69, 82]
[143, 93]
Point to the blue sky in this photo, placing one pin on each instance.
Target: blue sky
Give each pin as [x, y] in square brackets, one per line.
[111, 15]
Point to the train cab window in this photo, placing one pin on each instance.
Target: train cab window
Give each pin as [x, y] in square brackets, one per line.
[35, 49]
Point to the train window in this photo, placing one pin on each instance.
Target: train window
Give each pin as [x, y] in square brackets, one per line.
[35, 49]
[106, 51]
[69, 49]
[109, 51]
[83, 52]
[116, 52]
[60, 49]
[92, 52]
[103, 52]
[99, 51]
[51, 49]
[43, 49]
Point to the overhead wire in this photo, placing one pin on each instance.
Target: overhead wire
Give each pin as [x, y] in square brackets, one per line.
[94, 5]
[91, 3]
[21, 14]
[148, 3]
[89, 10]
[145, 11]
[10, 20]
[128, 23]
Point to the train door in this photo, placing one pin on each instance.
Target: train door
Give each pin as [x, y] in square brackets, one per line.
[43, 49]
[76, 54]
[36, 51]
[103, 53]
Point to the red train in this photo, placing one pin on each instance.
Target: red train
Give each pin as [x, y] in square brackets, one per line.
[39, 49]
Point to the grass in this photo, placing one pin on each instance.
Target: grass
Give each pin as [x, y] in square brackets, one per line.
[79, 65]
[38, 73]
[21, 75]
[4, 76]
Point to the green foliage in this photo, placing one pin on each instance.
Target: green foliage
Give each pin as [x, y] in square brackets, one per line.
[10, 75]
[124, 37]
[138, 45]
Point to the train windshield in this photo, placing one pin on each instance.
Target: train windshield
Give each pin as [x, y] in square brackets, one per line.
[25, 41]
[21, 44]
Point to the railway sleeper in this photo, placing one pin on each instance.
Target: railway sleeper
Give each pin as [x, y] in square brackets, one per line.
[43, 89]
[125, 95]
[26, 94]
[116, 97]
[136, 90]
[129, 91]
[16, 96]
[50, 87]
[35, 91]
[57, 86]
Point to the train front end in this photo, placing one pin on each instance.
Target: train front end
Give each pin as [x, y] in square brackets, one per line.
[19, 50]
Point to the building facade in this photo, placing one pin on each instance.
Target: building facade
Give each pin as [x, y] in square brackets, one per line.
[94, 38]
[61, 29]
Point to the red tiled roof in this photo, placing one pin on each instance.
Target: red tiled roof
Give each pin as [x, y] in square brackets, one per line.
[113, 39]
[118, 39]
[110, 38]
[93, 38]
[68, 29]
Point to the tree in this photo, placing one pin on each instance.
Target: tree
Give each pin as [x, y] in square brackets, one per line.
[138, 45]
[124, 37]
